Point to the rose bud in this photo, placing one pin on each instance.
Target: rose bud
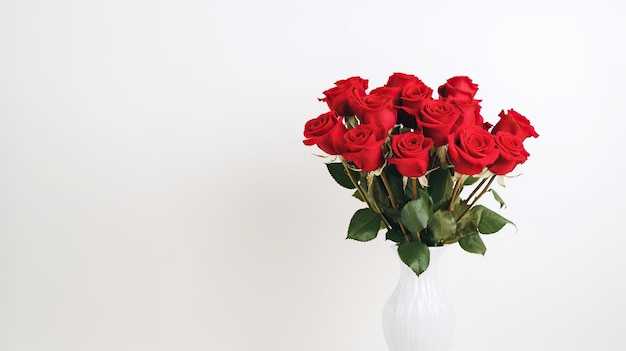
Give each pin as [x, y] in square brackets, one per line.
[516, 124]
[341, 97]
[460, 87]
[401, 80]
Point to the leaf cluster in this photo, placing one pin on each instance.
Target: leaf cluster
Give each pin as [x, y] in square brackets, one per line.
[417, 217]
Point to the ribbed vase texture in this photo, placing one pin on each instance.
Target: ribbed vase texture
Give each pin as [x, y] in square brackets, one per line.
[418, 315]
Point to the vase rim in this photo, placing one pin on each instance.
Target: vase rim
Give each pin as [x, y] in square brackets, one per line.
[429, 247]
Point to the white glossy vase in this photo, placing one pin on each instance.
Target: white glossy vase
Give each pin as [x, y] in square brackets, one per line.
[418, 315]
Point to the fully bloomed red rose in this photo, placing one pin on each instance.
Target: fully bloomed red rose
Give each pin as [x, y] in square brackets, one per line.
[340, 98]
[515, 124]
[327, 132]
[438, 118]
[460, 87]
[471, 149]
[377, 109]
[364, 146]
[511, 152]
[411, 151]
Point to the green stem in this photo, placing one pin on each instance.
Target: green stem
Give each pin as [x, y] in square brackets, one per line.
[392, 198]
[485, 189]
[415, 196]
[354, 182]
[476, 188]
[362, 193]
[456, 192]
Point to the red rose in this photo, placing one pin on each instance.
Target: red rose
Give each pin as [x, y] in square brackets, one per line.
[511, 153]
[402, 79]
[515, 124]
[377, 109]
[340, 98]
[388, 91]
[471, 149]
[470, 111]
[405, 115]
[460, 87]
[438, 118]
[411, 151]
[394, 92]
[364, 146]
[327, 132]
[413, 96]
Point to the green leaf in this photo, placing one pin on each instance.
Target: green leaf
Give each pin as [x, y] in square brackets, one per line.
[338, 172]
[442, 225]
[395, 183]
[394, 235]
[408, 189]
[470, 180]
[364, 225]
[368, 184]
[357, 195]
[473, 243]
[491, 222]
[471, 218]
[462, 232]
[379, 193]
[414, 254]
[440, 186]
[392, 215]
[416, 213]
[460, 207]
[498, 198]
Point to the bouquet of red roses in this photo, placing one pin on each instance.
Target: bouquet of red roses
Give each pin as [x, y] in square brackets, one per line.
[409, 157]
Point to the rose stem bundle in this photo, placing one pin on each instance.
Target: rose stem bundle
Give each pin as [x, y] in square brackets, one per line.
[479, 195]
[393, 202]
[362, 194]
[477, 187]
[415, 196]
[482, 192]
[457, 190]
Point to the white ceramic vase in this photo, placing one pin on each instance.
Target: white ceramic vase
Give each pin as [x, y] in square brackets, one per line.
[418, 315]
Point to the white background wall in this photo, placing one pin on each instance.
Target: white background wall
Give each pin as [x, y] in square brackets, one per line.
[155, 193]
